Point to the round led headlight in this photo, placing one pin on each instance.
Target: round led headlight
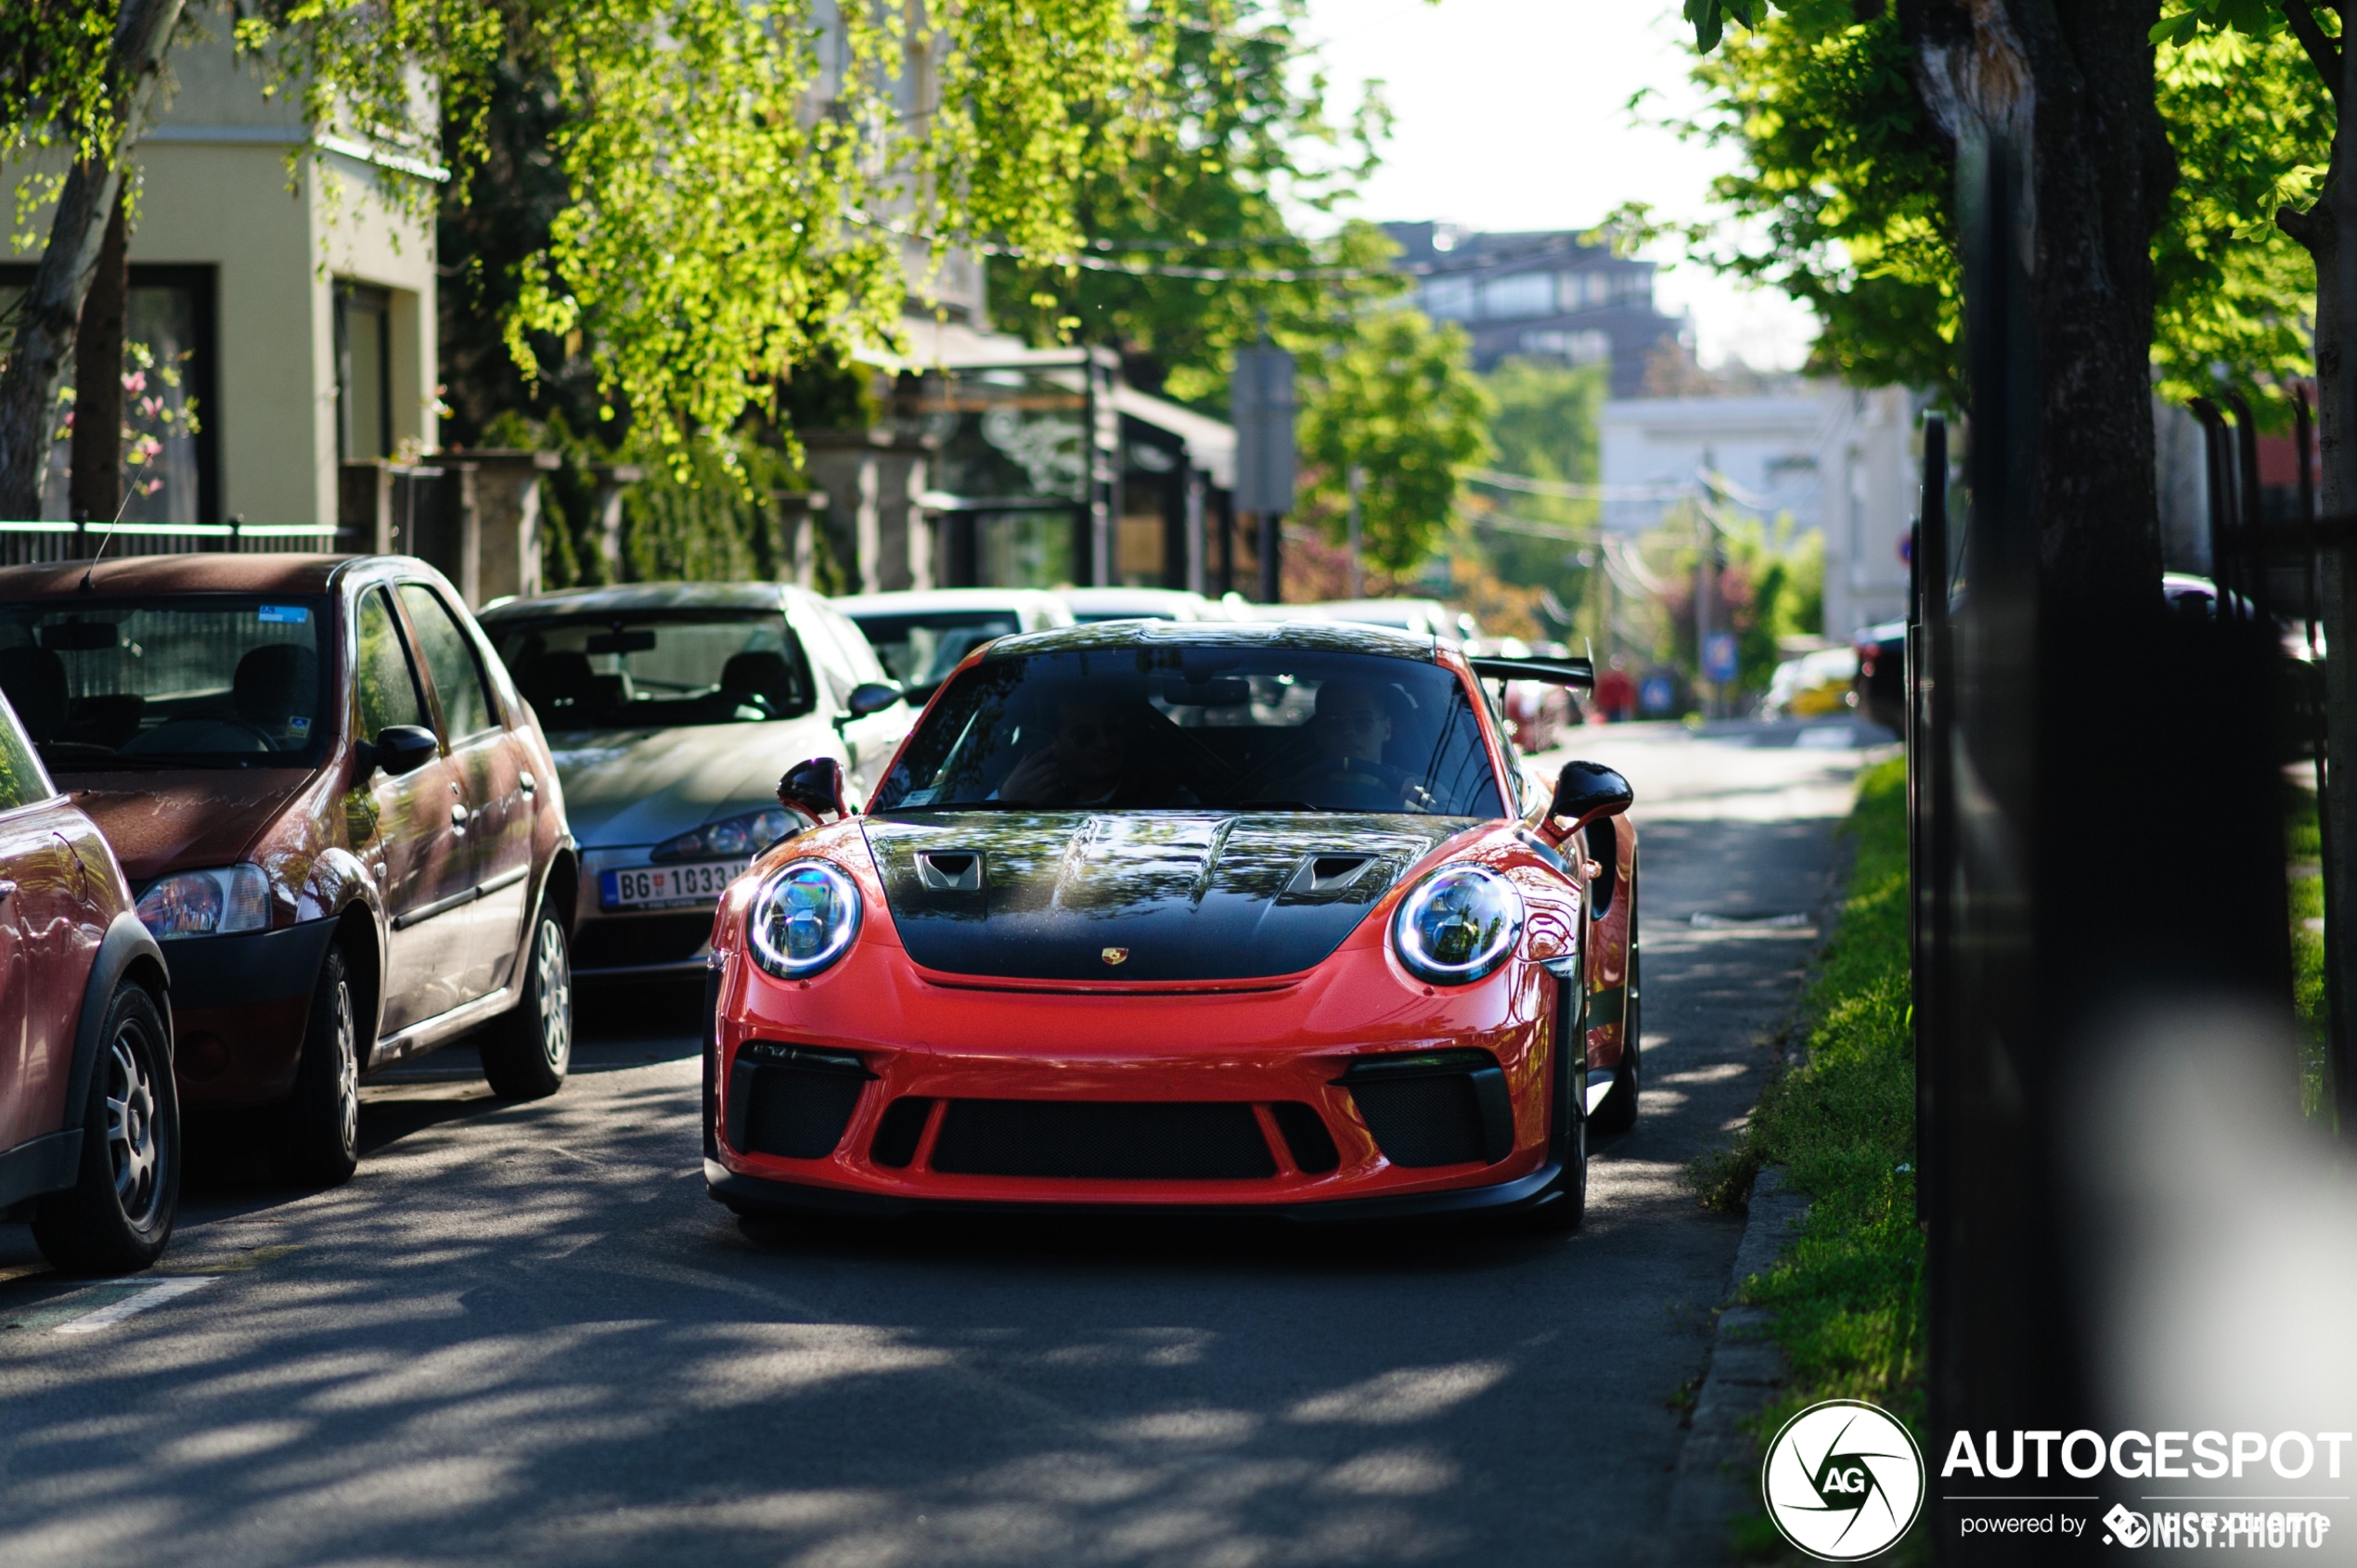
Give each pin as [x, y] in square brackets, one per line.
[1457, 925]
[803, 918]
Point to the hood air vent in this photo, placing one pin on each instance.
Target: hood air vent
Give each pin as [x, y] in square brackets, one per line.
[945, 870]
[1329, 873]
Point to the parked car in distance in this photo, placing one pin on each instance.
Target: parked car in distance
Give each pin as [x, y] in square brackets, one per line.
[89, 1123]
[1812, 686]
[1420, 617]
[1880, 686]
[1139, 604]
[1537, 713]
[924, 634]
[340, 820]
[672, 708]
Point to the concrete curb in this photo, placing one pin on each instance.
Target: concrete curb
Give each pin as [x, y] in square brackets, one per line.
[1715, 1482]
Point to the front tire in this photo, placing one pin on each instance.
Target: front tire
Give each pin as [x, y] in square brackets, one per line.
[316, 1141]
[526, 1054]
[118, 1215]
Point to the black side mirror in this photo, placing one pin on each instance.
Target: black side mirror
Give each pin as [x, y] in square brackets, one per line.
[872, 697]
[1585, 792]
[815, 787]
[404, 748]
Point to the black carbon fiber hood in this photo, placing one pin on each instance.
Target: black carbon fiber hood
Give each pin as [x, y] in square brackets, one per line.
[1178, 895]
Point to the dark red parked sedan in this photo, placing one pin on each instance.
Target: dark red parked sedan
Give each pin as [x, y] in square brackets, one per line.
[89, 1125]
[340, 821]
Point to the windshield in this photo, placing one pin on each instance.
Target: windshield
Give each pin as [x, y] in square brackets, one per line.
[180, 681]
[921, 650]
[655, 671]
[1222, 728]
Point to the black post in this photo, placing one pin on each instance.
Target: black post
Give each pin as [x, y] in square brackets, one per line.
[1931, 805]
[2001, 1355]
[1227, 511]
[1272, 576]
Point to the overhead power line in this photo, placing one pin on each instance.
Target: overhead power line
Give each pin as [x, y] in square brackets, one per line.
[1564, 491]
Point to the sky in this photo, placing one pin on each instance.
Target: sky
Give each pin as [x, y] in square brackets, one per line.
[1513, 114]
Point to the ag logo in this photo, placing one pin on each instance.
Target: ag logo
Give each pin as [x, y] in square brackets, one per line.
[2128, 1526]
[1843, 1480]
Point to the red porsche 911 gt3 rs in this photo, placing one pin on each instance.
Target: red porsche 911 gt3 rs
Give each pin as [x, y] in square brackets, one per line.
[1189, 915]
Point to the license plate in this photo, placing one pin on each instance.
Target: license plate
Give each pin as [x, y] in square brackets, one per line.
[650, 887]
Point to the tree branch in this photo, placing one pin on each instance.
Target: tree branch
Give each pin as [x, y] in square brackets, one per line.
[51, 307]
[2321, 52]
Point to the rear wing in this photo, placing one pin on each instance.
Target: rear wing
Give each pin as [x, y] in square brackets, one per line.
[1556, 672]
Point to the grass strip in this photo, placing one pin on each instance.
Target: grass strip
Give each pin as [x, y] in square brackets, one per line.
[1848, 1293]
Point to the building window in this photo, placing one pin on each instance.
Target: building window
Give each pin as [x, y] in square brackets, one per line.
[1585, 347]
[363, 372]
[1522, 294]
[170, 464]
[1447, 298]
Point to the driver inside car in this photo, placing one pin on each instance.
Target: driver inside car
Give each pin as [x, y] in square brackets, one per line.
[1094, 756]
[1341, 754]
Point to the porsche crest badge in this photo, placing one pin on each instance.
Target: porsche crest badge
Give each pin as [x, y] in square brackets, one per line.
[1115, 955]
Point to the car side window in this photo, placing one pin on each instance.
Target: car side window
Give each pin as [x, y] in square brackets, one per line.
[23, 778]
[1515, 784]
[864, 665]
[388, 682]
[467, 705]
[834, 664]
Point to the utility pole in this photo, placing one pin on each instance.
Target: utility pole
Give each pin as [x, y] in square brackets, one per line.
[1261, 398]
[1707, 580]
[1358, 483]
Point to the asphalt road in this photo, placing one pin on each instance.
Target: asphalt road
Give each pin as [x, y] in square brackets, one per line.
[523, 1334]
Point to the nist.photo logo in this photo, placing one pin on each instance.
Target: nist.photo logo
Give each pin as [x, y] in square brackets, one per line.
[1843, 1480]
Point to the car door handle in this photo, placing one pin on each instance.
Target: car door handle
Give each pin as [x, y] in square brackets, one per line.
[457, 816]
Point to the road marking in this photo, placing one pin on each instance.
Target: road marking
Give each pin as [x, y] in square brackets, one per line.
[149, 1292]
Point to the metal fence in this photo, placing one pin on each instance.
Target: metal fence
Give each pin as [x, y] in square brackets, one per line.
[24, 544]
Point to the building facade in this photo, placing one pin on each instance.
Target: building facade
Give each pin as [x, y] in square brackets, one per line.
[294, 308]
[1835, 459]
[1542, 294]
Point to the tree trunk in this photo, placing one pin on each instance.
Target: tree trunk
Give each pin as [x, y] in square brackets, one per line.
[2328, 230]
[2072, 85]
[53, 305]
[96, 488]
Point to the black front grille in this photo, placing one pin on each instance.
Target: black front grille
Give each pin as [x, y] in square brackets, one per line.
[623, 941]
[791, 1100]
[1154, 1141]
[899, 1130]
[1305, 1136]
[1443, 1108]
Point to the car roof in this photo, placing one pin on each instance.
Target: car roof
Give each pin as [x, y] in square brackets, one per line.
[1322, 636]
[916, 601]
[630, 599]
[206, 572]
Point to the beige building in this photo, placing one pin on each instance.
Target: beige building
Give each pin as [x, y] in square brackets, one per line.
[296, 307]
